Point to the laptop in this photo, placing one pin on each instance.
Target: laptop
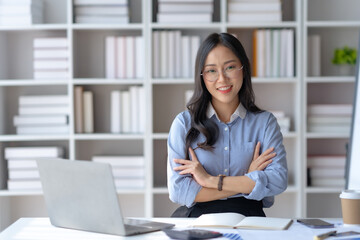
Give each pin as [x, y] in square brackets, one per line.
[82, 195]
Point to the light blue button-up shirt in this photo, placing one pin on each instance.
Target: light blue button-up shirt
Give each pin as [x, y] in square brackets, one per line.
[231, 156]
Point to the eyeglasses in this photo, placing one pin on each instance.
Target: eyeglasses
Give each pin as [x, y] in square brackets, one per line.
[211, 75]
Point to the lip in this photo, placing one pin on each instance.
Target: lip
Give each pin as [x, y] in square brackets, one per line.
[225, 91]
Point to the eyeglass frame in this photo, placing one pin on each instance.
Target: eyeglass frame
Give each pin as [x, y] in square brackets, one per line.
[223, 72]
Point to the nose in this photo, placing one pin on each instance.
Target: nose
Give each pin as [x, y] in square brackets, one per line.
[222, 76]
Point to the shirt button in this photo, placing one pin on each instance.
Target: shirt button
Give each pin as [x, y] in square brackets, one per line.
[226, 129]
[226, 148]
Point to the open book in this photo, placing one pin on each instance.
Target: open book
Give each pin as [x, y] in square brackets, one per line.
[237, 220]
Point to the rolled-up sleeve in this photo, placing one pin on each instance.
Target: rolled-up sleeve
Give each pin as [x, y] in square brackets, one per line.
[273, 179]
[182, 188]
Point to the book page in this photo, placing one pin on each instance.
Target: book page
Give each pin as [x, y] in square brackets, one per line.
[218, 219]
[264, 223]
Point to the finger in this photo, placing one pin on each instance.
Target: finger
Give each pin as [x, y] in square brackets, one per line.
[256, 151]
[181, 161]
[179, 168]
[265, 164]
[267, 157]
[267, 151]
[193, 155]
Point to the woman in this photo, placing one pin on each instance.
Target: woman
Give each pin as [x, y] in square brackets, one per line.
[224, 153]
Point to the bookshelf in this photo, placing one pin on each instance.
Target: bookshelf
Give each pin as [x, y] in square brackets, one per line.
[337, 26]
[87, 61]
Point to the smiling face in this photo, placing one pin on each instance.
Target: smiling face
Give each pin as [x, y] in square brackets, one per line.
[225, 89]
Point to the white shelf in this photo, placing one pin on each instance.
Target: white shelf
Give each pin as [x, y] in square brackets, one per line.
[7, 193]
[160, 136]
[108, 136]
[172, 81]
[32, 82]
[274, 80]
[327, 135]
[42, 27]
[330, 24]
[105, 81]
[284, 24]
[21, 138]
[324, 190]
[208, 26]
[330, 79]
[130, 26]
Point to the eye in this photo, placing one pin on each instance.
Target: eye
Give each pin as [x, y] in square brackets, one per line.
[229, 68]
[209, 71]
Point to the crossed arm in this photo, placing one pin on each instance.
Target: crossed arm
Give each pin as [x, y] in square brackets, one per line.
[231, 184]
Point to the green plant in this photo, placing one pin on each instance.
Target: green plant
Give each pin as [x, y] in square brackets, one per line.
[344, 55]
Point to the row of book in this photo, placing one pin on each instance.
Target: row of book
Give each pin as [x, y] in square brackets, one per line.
[21, 12]
[314, 55]
[42, 114]
[51, 58]
[329, 118]
[128, 110]
[84, 110]
[128, 171]
[101, 12]
[273, 53]
[23, 173]
[326, 170]
[240, 11]
[124, 57]
[173, 54]
[182, 11]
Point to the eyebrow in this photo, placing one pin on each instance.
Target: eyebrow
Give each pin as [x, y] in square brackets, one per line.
[224, 63]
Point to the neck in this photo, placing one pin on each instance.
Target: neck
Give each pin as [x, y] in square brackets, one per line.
[225, 110]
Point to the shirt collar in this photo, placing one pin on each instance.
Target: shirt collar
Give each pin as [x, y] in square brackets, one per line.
[239, 112]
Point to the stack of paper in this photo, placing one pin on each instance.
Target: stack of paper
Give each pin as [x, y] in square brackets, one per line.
[329, 118]
[128, 171]
[42, 114]
[101, 11]
[185, 11]
[326, 170]
[240, 11]
[23, 172]
[21, 12]
[51, 58]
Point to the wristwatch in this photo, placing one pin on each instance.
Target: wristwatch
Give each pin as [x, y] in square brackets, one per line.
[220, 183]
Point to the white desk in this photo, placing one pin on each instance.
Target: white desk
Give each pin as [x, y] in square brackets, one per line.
[41, 229]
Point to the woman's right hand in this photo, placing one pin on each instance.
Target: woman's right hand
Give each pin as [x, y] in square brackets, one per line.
[260, 162]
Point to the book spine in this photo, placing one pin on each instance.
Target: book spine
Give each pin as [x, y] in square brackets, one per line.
[110, 56]
[126, 112]
[115, 111]
[130, 57]
[139, 59]
[79, 109]
[88, 112]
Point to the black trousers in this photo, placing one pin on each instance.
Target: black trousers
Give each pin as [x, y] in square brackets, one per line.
[241, 205]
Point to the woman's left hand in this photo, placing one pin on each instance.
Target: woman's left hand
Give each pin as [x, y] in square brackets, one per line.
[195, 168]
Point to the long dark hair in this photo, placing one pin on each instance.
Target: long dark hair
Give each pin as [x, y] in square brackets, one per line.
[199, 102]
